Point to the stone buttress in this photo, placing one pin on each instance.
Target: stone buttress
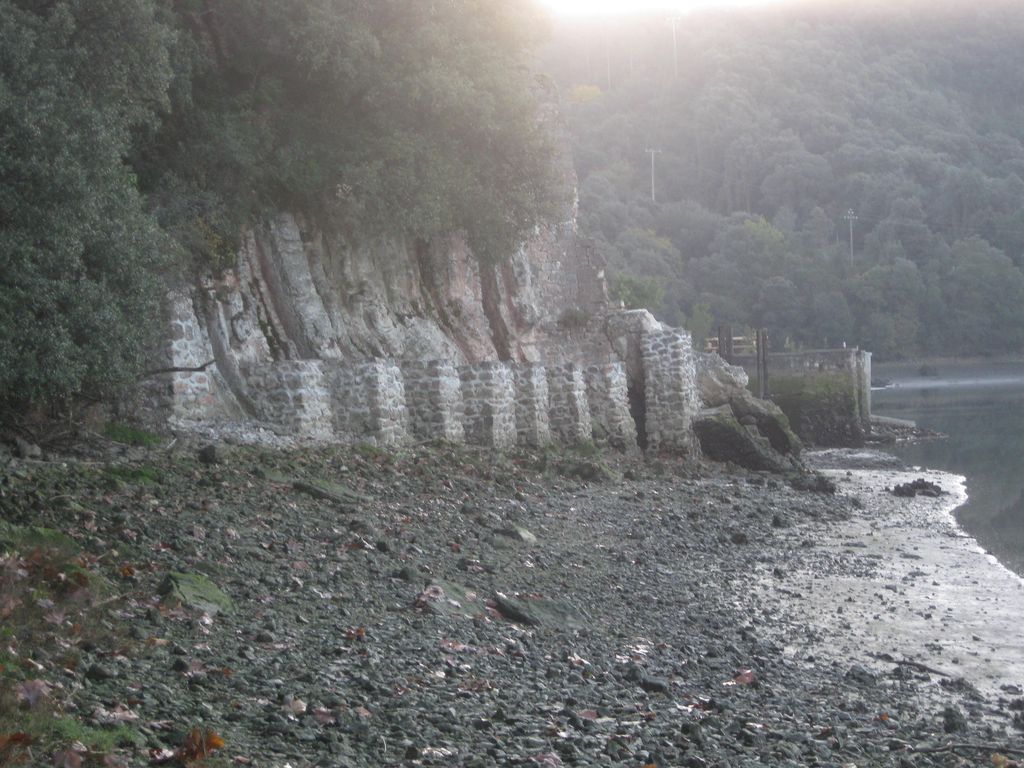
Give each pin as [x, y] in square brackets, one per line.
[608, 397]
[433, 393]
[489, 404]
[292, 396]
[670, 390]
[570, 412]
[368, 402]
[533, 405]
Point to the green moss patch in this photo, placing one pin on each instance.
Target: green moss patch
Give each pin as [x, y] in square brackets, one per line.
[29, 537]
[822, 409]
[193, 590]
[128, 435]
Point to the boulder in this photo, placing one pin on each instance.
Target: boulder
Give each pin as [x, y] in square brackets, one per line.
[723, 438]
[717, 381]
[770, 421]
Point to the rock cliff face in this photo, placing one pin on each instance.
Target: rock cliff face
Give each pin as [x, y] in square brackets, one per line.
[313, 337]
[318, 335]
[298, 294]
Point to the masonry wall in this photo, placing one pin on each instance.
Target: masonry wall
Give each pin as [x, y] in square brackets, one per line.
[385, 402]
[569, 409]
[489, 405]
[292, 396]
[368, 403]
[434, 400]
[533, 403]
[671, 391]
[608, 398]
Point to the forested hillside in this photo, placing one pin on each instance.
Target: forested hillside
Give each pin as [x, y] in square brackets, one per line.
[776, 125]
[139, 139]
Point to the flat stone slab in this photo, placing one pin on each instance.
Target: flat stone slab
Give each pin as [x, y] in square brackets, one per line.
[538, 612]
[193, 590]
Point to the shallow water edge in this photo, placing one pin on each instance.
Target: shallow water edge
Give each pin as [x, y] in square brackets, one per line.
[901, 580]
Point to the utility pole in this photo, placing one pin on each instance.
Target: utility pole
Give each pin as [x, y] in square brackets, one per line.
[608, 57]
[851, 217]
[653, 152]
[673, 20]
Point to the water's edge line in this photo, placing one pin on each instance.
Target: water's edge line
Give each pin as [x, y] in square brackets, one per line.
[948, 509]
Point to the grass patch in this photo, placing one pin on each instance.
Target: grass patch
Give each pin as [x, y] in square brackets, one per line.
[29, 537]
[128, 435]
[128, 475]
[64, 730]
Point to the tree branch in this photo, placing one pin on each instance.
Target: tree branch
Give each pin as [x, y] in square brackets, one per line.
[158, 371]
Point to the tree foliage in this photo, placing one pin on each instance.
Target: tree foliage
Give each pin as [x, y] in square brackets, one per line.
[77, 251]
[142, 134]
[780, 121]
[377, 116]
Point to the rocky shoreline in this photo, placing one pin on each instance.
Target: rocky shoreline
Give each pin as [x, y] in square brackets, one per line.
[444, 606]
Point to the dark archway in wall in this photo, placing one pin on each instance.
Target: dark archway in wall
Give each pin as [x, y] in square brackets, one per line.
[638, 410]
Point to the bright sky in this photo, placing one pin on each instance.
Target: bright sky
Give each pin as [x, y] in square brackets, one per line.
[607, 7]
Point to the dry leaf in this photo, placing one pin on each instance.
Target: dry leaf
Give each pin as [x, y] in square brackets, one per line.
[199, 744]
[743, 677]
[324, 716]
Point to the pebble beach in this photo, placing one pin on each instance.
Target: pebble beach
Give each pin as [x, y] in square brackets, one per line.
[449, 607]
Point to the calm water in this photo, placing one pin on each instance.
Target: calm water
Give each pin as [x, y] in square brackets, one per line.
[981, 408]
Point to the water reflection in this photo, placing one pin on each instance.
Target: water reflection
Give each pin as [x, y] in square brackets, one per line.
[981, 408]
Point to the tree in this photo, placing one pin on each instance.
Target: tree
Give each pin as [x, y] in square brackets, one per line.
[411, 119]
[78, 255]
[795, 116]
[983, 294]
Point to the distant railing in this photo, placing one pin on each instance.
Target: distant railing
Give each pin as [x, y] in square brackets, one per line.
[729, 347]
[734, 345]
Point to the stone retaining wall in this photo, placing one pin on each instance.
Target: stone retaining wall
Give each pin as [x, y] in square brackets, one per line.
[569, 409]
[825, 393]
[292, 395]
[489, 404]
[671, 391]
[608, 396]
[533, 404]
[495, 404]
[368, 402]
[433, 393]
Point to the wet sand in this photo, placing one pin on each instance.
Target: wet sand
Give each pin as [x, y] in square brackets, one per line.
[903, 581]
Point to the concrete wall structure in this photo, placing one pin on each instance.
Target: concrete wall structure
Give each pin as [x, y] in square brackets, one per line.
[826, 394]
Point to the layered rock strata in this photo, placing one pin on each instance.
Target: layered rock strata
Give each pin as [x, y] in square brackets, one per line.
[319, 338]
